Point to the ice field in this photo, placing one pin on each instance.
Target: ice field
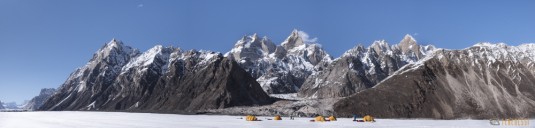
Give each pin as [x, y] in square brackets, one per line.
[69, 119]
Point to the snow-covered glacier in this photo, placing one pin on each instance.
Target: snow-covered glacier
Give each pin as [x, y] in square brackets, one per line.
[70, 119]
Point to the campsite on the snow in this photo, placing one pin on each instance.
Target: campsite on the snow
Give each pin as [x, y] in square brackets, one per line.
[69, 119]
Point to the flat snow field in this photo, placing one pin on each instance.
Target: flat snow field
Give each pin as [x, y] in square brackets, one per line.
[69, 119]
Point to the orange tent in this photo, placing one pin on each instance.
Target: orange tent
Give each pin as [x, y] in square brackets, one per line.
[251, 118]
[368, 118]
[277, 117]
[319, 119]
[332, 118]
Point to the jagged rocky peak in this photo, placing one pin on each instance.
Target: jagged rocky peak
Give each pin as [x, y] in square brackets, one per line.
[268, 45]
[175, 54]
[280, 68]
[252, 47]
[294, 40]
[200, 57]
[316, 55]
[524, 53]
[381, 46]
[361, 68]
[492, 45]
[156, 55]
[413, 51]
[408, 46]
[358, 50]
[115, 45]
[97, 75]
[408, 43]
[110, 58]
[115, 52]
[299, 44]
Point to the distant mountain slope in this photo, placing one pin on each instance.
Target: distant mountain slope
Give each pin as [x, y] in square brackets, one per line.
[40, 99]
[483, 81]
[1, 105]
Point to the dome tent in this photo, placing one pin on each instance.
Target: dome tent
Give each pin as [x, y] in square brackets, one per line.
[368, 118]
[319, 119]
[251, 118]
[277, 117]
[332, 118]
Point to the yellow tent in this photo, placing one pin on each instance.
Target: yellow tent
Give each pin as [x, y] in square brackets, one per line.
[368, 118]
[320, 119]
[277, 117]
[332, 118]
[251, 118]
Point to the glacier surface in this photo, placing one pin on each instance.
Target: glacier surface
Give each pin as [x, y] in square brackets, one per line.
[73, 119]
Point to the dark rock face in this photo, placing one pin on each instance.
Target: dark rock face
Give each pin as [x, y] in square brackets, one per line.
[361, 68]
[164, 80]
[220, 84]
[339, 79]
[478, 82]
[39, 100]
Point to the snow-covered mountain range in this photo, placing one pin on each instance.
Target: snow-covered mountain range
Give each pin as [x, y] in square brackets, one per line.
[483, 81]
[400, 80]
[361, 68]
[280, 68]
[162, 79]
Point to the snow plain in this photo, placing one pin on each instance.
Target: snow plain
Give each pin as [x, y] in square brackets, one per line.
[69, 119]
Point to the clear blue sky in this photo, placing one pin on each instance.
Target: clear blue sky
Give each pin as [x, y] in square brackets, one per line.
[43, 41]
